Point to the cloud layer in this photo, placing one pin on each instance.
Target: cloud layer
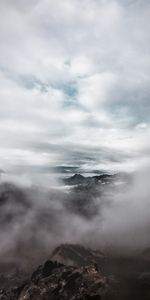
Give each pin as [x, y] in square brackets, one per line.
[74, 84]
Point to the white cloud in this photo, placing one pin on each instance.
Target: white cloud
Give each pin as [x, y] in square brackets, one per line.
[74, 74]
[81, 66]
[97, 89]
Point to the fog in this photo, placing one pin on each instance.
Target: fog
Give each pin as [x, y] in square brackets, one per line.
[36, 218]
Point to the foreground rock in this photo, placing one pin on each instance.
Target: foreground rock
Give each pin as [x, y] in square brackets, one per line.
[55, 281]
[74, 272]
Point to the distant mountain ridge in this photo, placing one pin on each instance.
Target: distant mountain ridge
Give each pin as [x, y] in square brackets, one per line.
[97, 179]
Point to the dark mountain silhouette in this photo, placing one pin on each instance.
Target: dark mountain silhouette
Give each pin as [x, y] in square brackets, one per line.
[85, 274]
[56, 281]
[77, 255]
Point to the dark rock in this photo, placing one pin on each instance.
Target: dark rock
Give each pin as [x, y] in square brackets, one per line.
[75, 179]
[59, 282]
[66, 283]
[77, 255]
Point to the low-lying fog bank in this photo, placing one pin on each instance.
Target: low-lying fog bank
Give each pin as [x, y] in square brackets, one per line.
[109, 212]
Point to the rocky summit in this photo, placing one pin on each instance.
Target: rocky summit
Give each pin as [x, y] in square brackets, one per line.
[74, 272]
[77, 255]
[55, 281]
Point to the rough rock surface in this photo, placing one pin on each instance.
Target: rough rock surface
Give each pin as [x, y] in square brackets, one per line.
[77, 255]
[77, 273]
[56, 281]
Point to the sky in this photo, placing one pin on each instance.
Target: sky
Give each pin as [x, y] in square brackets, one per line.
[74, 85]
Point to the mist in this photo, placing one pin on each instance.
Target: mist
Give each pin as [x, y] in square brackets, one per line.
[36, 218]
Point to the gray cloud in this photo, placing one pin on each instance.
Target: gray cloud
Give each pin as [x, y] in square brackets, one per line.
[74, 84]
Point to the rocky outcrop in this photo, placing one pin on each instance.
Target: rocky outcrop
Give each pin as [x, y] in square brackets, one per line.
[56, 281]
[74, 272]
[77, 255]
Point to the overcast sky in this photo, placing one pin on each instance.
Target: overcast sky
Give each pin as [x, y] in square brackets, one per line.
[74, 84]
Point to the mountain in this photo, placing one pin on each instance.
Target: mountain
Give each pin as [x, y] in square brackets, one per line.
[74, 272]
[56, 281]
[91, 183]
[80, 179]
[77, 255]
